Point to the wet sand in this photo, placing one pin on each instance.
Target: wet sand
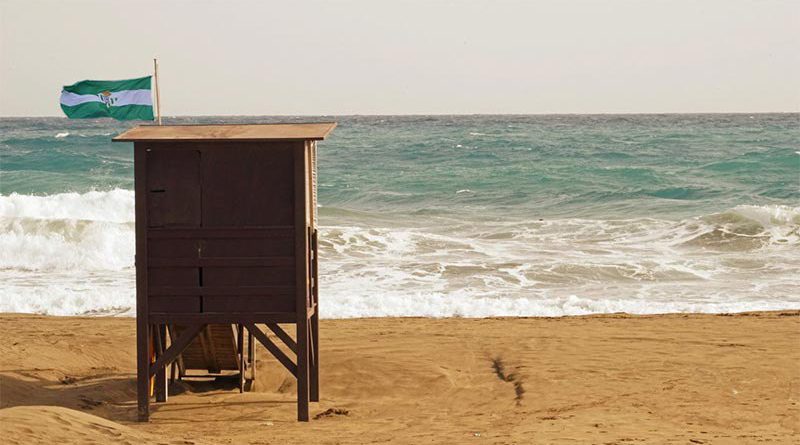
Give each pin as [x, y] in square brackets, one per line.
[595, 379]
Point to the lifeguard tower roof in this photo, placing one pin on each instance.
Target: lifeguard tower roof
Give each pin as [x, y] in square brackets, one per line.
[240, 132]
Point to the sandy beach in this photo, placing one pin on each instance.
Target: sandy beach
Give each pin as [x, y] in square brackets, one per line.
[594, 379]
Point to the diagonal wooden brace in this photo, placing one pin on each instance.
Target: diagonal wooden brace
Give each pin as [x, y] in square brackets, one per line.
[272, 348]
[288, 341]
[176, 348]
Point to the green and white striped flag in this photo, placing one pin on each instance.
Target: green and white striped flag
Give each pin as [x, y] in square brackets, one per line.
[120, 99]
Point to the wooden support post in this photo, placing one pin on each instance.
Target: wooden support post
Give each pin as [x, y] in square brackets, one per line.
[314, 390]
[142, 322]
[251, 357]
[302, 368]
[240, 352]
[301, 245]
[314, 371]
[161, 373]
[143, 372]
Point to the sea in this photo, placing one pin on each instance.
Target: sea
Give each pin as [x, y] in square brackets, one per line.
[452, 216]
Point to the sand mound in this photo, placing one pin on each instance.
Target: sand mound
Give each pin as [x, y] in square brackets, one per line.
[53, 424]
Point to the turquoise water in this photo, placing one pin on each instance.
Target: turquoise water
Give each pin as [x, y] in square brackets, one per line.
[454, 215]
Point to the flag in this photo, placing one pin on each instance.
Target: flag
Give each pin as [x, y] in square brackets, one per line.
[120, 99]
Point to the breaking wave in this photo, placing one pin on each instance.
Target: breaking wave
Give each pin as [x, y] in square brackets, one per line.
[73, 253]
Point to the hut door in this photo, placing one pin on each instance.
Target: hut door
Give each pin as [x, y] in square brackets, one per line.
[173, 202]
[173, 187]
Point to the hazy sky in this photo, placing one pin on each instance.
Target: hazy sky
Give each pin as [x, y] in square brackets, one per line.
[410, 57]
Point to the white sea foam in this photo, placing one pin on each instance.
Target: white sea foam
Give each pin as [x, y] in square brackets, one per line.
[62, 135]
[65, 293]
[73, 254]
[112, 206]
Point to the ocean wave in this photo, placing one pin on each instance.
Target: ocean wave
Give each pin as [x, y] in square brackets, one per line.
[67, 232]
[86, 293]
[113, 206]
[73, 253]
[749, 227]
[29, 244]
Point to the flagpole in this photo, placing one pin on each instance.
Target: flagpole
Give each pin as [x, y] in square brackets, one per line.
[158, 96]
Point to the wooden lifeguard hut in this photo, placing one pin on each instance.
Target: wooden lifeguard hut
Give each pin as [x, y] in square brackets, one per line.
[226, 240]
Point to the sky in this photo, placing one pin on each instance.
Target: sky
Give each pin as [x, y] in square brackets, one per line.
[409, 56]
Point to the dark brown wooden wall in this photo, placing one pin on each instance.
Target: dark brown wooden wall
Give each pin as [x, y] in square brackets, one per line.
[221, 227]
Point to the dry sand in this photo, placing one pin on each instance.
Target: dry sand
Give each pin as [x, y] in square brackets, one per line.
[597, 379]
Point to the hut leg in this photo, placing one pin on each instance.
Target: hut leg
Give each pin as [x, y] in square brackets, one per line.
[251, 356]
[143, 369]
[315, 304]
[314, 371]
[161, 374]
[240, 352]
[302, 368]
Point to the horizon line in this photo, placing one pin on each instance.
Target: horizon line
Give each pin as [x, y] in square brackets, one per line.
[436, 114]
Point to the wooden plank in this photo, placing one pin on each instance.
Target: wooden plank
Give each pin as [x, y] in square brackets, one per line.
[161, 375]
[280, 333]
[142, 322]
[314, 369]
[171, 248]
[174, 304]
[275, 290]
[312, 151]
[239, 303]
[223, 132]
[272, 348]
[251, 355]
[171, 276]
[222, 262]
[240, 352]
[249, 276]
[314, 366]
[247, 247]
[223, 317]
[301, 276]
[223, 232]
